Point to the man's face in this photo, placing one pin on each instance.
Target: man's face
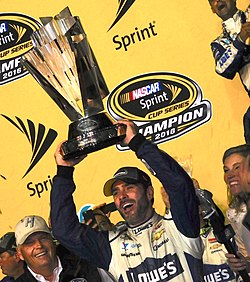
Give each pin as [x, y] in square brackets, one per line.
[235, 173]
[225, 9]
[38, 251]
[133, 201]
[9, 263]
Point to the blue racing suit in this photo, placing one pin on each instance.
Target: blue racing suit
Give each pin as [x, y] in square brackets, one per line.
[164, 248]
[230, 53]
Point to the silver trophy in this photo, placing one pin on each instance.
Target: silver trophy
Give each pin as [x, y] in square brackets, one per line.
[64, 64]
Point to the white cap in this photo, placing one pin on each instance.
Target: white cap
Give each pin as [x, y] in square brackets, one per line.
[29, 225]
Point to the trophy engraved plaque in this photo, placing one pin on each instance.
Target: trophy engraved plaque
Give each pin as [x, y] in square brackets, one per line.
[64, 64]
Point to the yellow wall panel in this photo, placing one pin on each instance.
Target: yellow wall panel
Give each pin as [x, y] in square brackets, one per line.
[179, 42]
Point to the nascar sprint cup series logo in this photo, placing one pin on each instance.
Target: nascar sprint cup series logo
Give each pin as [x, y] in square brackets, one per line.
[15, 32]
[164, 105]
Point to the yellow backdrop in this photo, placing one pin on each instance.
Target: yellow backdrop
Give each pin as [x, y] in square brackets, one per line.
[179, 42]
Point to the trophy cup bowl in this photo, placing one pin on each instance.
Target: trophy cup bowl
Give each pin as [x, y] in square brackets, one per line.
[63, 63]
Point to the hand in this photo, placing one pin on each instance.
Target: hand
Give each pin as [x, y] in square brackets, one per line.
[99, 207]
[236, 264]
[131, 130]
[91, 223]
[59, 157]
[245, 31]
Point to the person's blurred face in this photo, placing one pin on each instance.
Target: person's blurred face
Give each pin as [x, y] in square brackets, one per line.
[235, 173]
[246, 176]
[9, 263]
[224, 9]
[133, 202]
[38, 251]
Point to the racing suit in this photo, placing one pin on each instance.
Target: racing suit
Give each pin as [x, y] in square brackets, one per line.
[215, 263]
[230, 53]
[164, 248]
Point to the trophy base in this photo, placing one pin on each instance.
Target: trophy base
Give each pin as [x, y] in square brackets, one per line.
[89, 135]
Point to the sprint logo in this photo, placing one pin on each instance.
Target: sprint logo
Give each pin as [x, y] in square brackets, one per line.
[124, 5]
[164, 105]
[15, 32]
[38, 138]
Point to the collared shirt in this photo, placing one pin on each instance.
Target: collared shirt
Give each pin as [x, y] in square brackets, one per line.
[56, 273]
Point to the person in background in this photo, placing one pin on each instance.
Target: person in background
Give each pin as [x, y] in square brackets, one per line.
[11, 265]
[151, 247]
[246, 124]
[46, 262]
[235, 175]
[246, 176]
[215, 266]
[246, 190]
[231, 50]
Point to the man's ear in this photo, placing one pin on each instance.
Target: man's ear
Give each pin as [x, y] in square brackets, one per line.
[150, 192]
[19, 254]
[17, 257]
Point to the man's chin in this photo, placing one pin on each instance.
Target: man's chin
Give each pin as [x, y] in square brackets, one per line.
[130, 219]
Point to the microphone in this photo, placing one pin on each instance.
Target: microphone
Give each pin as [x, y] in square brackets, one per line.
[207, 206]
[223, 233]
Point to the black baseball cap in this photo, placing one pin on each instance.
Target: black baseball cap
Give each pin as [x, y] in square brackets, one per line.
[130, 175]
[8, 242]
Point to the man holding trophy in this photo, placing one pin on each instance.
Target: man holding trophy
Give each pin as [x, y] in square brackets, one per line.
[151, 247]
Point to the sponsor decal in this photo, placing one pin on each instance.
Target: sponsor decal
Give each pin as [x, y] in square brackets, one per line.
[164, 242]
[139, 230]
[157, 235]
[125, 246]
[39, 140]
[215, 246]
[123, 42]
[220, 272]
[164, 105]
[130, 249]
[36, 189]
[163, 269]
[124, 5]
[15, 32]
[157, 226]
[212, 240]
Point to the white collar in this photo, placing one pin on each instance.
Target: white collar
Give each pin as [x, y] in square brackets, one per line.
[56, 273]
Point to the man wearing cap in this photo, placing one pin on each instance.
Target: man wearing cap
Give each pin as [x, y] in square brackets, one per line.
[10, 263]
[152, 247]
[45, 262]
